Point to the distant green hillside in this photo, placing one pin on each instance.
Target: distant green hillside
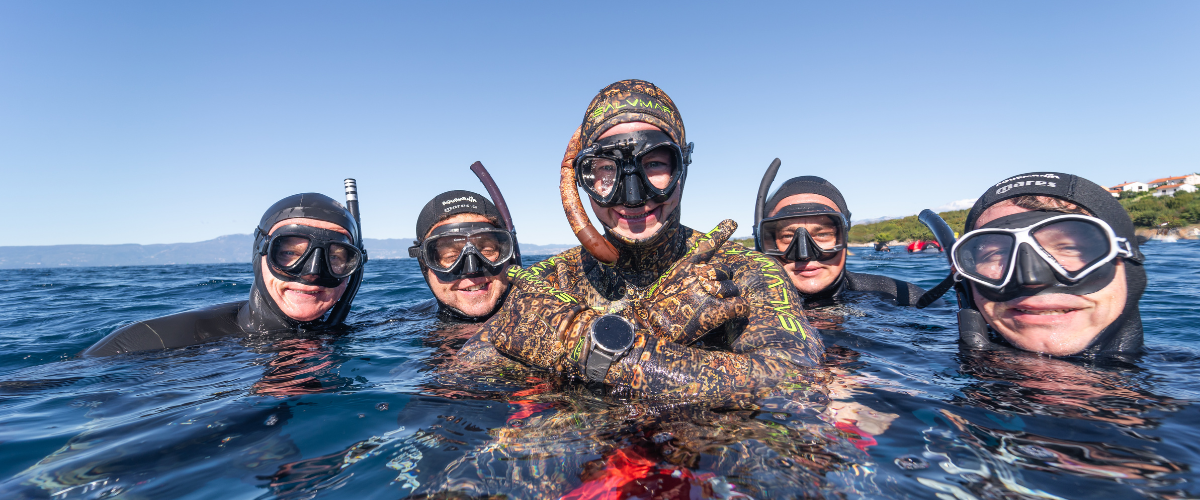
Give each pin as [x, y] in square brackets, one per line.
[904, 229]
[1147, 210]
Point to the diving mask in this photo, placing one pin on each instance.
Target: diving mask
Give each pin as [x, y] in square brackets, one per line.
[632, 169]
[1039, 252]
[454, 251]
[804, 232]
[296, 251]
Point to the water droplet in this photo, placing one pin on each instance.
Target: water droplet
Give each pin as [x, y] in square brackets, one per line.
[362, 415]
[910, 462]
[271, 420]
[381, 406]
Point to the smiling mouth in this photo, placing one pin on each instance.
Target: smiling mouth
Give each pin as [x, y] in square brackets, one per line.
[637, 217]
[1047, 312]
[481, 286]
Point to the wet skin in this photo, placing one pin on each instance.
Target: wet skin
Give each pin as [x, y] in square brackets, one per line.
[300, 301]
[474, 296]
[642, 222]
[1059, 324]
[815, 275]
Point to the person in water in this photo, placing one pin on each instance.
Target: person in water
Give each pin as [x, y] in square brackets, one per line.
[1050, 263]
[805, 228]
[308, 262]
[652, 306]
[464, 250]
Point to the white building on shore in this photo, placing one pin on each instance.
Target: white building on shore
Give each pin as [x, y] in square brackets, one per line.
[1171, 189]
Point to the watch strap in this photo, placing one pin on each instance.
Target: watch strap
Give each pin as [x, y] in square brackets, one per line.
[598, 362]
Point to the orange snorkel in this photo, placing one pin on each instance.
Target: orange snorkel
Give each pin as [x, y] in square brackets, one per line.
[589, 237]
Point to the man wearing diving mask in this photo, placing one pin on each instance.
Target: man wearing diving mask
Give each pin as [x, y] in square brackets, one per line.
[464, 249]
[1050, 264]
[308, 263]
[805, 228]
[650, 306]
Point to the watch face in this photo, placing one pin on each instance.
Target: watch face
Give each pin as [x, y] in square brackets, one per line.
[612, 333]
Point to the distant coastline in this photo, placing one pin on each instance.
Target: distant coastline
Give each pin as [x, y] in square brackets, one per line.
[233, 248]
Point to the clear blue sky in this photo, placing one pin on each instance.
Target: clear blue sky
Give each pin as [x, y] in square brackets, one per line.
[158, 122]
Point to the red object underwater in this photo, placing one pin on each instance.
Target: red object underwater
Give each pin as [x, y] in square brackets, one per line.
[921, 245]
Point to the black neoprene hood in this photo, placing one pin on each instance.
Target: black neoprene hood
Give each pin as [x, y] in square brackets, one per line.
[808, 184]
[455, 202]
[310, 206]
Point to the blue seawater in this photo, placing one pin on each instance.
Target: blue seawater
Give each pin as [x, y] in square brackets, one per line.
[359, 414]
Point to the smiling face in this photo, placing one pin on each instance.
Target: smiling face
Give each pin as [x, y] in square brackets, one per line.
[302, 302]
[815, 275]
[1055, 323]
[643, 222]
[474, 296]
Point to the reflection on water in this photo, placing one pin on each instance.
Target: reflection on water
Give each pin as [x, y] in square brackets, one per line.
[383, 411]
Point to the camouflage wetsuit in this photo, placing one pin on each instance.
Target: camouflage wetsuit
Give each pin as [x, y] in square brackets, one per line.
[713, 318]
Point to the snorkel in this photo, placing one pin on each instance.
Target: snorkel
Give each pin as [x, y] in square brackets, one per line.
[342, 308]
[498, 199]
[945, 238]
[760, 204]
[587, 234]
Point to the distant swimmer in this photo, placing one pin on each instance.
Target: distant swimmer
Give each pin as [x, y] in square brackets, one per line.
[805, 226]
[464, 249]
[1050, 264]
[308, 263]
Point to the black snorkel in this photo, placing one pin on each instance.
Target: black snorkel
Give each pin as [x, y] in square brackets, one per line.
[342, 308]
[972, 328]
[498, 199]
[760, 204]
[945, 238]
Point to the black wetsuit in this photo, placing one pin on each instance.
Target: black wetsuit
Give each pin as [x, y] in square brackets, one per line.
[260, 314]
[902, 293]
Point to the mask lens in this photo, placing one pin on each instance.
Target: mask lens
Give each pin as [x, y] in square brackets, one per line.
[986, 256]
[599, 175]
[288, 250]
[493, 246]
[659, 166]
[446, 249]
[1074, 244]
[343, 259]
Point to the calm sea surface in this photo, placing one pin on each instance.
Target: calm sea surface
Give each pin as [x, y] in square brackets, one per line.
[361, 415]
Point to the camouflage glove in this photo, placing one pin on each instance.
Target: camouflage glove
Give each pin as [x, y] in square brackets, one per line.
[539, 323]
[696, 297]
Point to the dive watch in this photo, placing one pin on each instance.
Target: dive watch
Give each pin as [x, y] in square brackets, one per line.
[611, 337]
